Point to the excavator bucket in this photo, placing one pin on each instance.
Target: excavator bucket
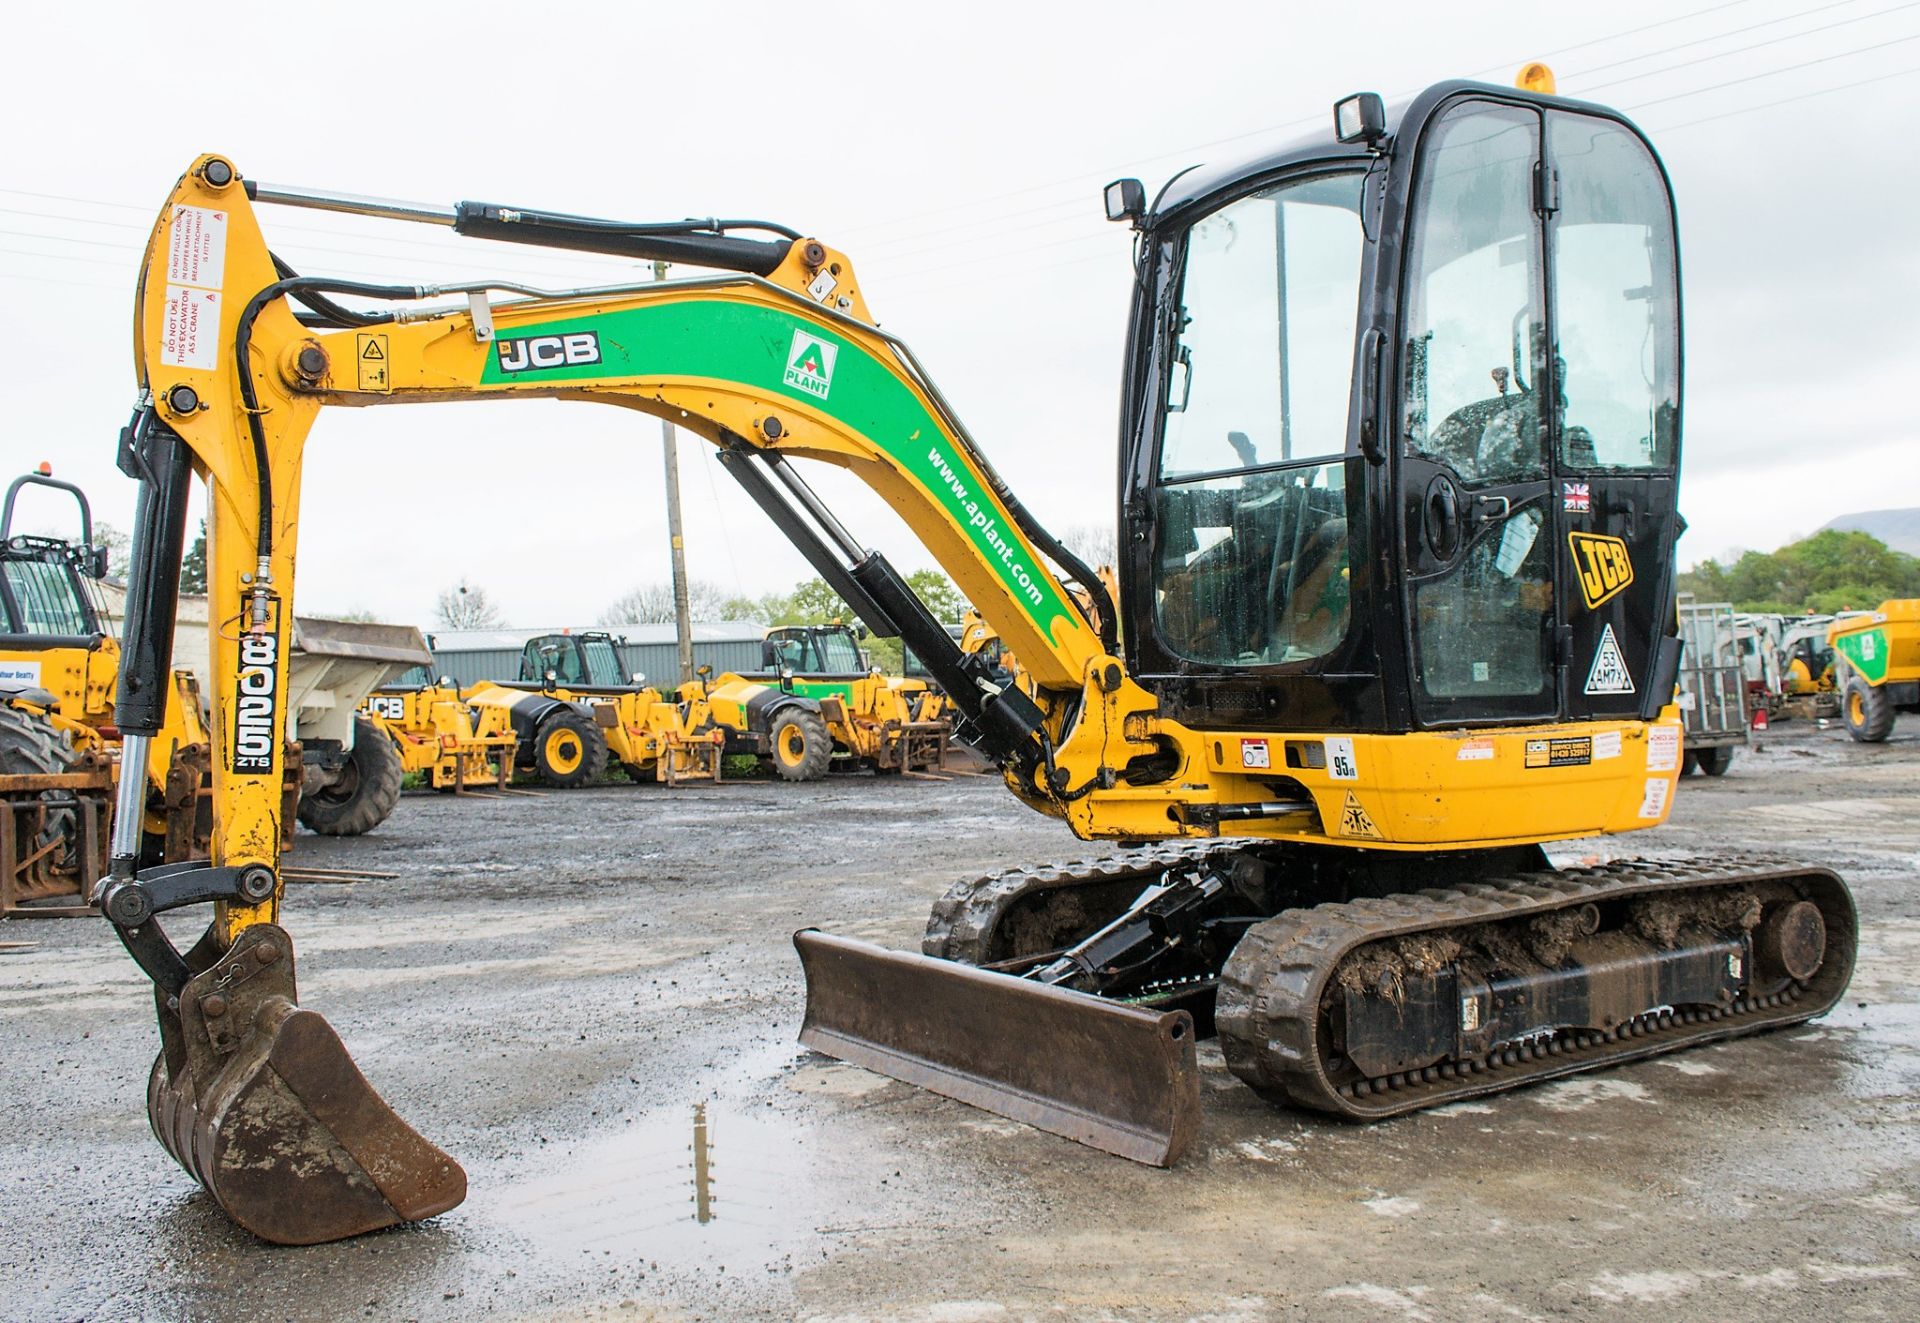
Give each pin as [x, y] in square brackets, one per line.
[1117, 1077]
[260, 1102]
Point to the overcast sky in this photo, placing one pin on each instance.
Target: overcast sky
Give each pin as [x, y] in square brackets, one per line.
[956, 153]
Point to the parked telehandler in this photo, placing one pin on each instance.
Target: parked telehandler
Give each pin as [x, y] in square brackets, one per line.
[1398, 593]
[573, 708]
[851, 711]
[438, 736]
[59, 748]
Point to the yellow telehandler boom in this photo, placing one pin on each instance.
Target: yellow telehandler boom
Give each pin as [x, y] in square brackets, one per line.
[1397, 594]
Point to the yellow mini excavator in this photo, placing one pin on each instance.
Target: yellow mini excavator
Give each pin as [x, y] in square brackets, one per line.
[1398, 456]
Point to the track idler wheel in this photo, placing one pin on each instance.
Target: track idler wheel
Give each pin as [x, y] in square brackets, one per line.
[260, 1102]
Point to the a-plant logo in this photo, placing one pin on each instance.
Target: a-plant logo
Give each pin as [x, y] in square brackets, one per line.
[810, 363]
[1602, 564]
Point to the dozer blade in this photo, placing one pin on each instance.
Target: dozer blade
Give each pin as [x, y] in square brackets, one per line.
[260, 1102]
[1117, 1077]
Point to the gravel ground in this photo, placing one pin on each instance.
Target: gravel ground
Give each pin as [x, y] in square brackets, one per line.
[558, 989]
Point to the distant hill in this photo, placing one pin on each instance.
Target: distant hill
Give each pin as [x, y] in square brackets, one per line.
[1899, 529]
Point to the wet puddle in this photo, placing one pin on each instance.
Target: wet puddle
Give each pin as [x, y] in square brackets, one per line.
[703, 1182]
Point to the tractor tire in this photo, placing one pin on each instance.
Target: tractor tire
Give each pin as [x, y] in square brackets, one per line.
[802, 748]
[569, 751]
[31, 745]
[1716, 761]
[1689, 763]
[365, 792]
[1868, 714]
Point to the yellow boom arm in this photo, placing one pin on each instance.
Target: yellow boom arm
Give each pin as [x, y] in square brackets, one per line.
[768, 368]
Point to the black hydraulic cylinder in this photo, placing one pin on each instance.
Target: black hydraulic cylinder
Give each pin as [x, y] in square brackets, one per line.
[739, 461]
[1008, 721]
[152, 452]
[586, 234]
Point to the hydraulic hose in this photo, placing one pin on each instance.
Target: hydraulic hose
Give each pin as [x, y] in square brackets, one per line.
[305, 289]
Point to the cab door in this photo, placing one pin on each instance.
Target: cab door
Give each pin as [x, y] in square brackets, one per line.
[1474, 475]
[1615, 313]
[1539, 419]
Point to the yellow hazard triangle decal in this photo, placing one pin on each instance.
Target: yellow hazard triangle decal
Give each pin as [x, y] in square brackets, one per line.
[1355, 822]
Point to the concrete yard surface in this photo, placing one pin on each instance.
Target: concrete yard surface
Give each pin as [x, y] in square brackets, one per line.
[582, 995]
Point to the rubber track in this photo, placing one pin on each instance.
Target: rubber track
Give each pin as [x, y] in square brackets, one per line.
[963, 921]
[1268, 1009]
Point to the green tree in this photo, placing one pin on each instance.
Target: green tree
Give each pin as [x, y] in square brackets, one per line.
[1830, 571]
[814, 603]
[937, 591]
[193, 565]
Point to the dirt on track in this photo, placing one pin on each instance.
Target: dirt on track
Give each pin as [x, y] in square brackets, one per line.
[573, 992]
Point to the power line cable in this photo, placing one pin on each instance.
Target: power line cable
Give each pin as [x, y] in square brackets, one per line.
[1848, 86]
[1718, 36]
[1758, 45]
[1775, 73]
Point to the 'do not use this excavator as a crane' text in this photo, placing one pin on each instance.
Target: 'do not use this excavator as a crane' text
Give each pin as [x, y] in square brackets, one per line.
[1397, 473]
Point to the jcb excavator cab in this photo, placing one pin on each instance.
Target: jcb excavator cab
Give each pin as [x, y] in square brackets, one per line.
[1401, 424]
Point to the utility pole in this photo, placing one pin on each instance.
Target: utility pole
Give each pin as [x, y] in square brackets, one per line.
[682, 612]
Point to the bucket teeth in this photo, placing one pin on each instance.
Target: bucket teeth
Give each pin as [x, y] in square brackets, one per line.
[261, 1103]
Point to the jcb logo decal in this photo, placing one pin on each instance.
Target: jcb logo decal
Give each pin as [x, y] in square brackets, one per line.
[1602, 564]
[531, 353]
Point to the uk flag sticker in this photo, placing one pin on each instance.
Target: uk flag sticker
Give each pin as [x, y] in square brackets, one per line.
[1576, 497]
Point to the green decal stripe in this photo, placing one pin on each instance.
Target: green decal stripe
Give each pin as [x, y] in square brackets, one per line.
[1866, 652]
[818, 689]
[749, 344]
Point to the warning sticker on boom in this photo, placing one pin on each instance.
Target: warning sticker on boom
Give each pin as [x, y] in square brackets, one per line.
[190, 328]
[1609, 674]
[370, 351]
[1355, 822]
[197, 247]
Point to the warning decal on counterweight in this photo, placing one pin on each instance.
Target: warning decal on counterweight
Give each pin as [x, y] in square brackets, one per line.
[1355, 822]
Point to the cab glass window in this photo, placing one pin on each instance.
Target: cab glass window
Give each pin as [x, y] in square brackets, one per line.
[603, 663]
[45, 596]
[1616, 299]
[1476, 327]
[839, 654]
[1251, 562]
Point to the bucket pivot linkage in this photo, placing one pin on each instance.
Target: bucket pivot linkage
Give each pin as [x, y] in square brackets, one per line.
[255, 1097]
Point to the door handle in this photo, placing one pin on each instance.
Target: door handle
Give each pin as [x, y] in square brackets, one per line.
[1491, 509]
[1442, 518]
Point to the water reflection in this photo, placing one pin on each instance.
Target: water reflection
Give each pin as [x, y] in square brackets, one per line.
[710, 1182]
